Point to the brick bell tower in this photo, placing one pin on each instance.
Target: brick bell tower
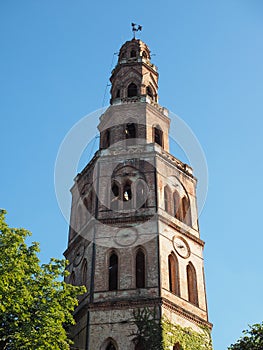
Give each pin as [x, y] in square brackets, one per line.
[134, 239]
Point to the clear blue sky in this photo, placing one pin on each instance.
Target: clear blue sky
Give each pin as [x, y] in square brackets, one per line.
[55, 63]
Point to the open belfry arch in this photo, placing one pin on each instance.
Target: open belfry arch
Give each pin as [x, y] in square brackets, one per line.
[134, 239]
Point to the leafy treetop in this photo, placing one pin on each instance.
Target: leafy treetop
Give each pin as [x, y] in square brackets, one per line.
[251, 340]
[36, 305]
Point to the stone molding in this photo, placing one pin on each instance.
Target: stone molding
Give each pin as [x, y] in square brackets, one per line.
[185, 314]
[181, 230]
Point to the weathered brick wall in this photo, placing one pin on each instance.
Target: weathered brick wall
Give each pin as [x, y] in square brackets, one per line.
[116, 324]
[144, 114]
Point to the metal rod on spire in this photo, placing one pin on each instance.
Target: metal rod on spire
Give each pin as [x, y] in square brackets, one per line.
[136, 28]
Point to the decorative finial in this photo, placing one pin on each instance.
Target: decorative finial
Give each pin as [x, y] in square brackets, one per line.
[136, 28]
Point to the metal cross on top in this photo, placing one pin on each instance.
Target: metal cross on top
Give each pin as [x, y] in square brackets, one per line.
[136, 28]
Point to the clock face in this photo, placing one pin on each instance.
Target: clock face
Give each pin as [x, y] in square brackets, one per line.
[181, 247]
[126, 237]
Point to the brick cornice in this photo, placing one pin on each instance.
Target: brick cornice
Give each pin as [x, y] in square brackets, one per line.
[181, 230]
[124, 304]
[185, 314]
[140, 303]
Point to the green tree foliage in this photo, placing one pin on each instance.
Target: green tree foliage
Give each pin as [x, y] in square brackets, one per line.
[251, 340]
[35, 304]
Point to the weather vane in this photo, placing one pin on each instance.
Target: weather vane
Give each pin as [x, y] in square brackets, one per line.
[136, 28]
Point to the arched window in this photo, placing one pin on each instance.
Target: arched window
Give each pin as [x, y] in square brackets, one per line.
[149, 91]
[127, 192]
[132, 90]
[110, 346]
[158, 136]
[177, 346]
[130, 131]
[144, 54]
[115, 189]
[192, 284]
[133, 54]
[118, 93]
[186, 211]
[113, 272]
[177, 205]
[106, 139]
[141, 194]
[81, 215]
[115, 195]
[174, 282]
[84, 272]
[88, 201]
[140, 269]
[168, 200]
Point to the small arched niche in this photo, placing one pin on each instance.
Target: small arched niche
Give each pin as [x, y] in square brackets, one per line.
[186, 211]
[144, 55]
[168, 199]
[127, 191]
[132, 90]
[177, 205]
[141, 193]
[133, 54]
[105, 139]
[81, 212]
[88, 201]
[149, 92]
[118, 93]
[84, 272]
[130, 130]
[109, 344]
[158, 135]
[114, 195]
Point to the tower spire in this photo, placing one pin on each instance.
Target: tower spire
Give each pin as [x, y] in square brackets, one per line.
[136, 28]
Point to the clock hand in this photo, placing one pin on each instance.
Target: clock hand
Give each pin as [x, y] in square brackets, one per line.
[179, 245]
